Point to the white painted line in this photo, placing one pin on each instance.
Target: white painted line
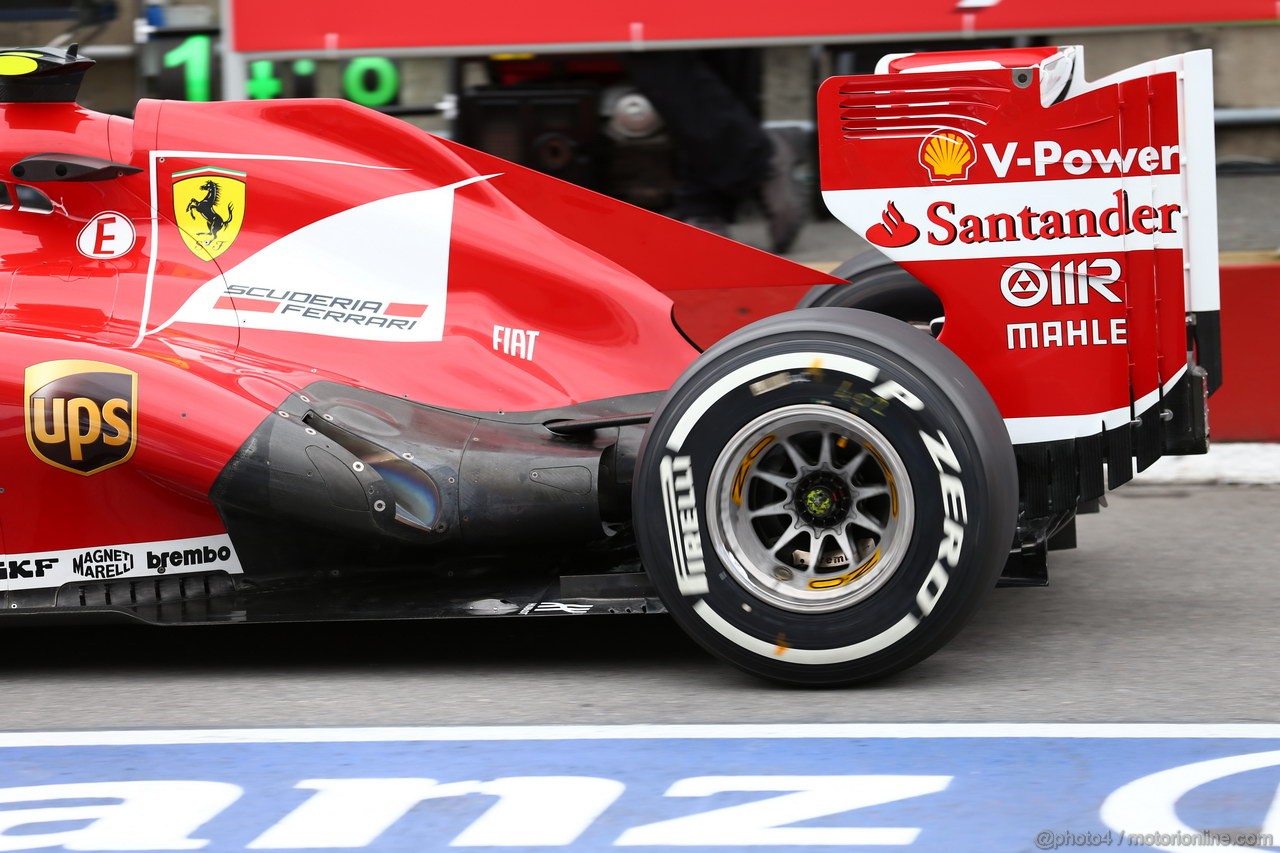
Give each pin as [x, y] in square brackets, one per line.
[1224, 464]
[1250, 731]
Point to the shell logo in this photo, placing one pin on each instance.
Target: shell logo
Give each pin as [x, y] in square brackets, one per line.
[947, 155]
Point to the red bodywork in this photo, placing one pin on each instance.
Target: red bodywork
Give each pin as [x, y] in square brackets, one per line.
[359, 250]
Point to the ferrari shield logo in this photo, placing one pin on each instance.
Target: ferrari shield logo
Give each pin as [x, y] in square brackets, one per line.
[208, 205]
[81, 416]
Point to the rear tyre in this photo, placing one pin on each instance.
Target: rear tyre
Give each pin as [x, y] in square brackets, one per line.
[884, 288]
[825, 496]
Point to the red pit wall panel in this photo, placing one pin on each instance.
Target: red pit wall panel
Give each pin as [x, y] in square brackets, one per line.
[1247, 406]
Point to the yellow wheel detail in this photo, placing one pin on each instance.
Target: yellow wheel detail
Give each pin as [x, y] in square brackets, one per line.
[745, 466]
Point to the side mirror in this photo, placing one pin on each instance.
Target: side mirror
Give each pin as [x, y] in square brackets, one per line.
[44, 168]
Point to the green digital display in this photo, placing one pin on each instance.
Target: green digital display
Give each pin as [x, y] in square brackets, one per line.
[193, 59]
[190, 72]
[371, 81]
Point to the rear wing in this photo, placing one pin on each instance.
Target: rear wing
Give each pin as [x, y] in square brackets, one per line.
[1069, 227]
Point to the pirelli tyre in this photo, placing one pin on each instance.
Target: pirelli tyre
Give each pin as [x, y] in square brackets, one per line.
[825, 496]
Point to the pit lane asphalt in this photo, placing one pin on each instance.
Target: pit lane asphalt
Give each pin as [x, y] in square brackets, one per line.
[1165, 613]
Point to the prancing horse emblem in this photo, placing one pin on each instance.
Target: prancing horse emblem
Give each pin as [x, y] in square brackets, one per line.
[208, 205]
[206, 208]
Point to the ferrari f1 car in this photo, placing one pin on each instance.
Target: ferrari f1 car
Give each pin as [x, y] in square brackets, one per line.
[295, 359]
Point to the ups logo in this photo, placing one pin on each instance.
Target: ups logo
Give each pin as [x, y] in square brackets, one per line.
[81, 416]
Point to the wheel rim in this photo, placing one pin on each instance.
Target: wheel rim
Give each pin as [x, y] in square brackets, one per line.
[811, 508]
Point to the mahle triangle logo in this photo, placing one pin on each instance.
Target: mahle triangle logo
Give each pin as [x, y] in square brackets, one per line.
[208, 206]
